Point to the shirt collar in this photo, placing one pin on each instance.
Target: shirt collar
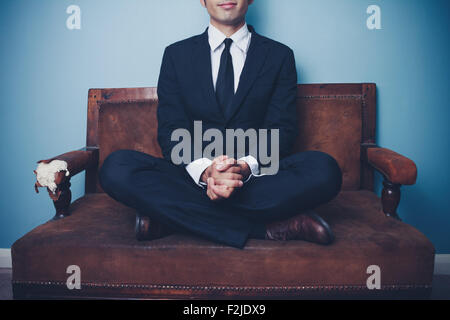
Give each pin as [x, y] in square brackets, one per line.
[241, 37]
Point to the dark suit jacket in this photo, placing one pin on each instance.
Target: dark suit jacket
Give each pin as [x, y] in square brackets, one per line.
[265, 98]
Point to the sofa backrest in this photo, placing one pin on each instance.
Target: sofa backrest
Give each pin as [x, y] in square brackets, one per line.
[334, 118]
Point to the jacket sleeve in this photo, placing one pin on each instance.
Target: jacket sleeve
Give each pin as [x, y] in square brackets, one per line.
[171, 113]
[282, 110]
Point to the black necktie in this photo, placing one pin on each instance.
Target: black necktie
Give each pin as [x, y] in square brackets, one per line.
[225, 78]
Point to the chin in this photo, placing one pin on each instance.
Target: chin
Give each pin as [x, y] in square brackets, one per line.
[229, 21]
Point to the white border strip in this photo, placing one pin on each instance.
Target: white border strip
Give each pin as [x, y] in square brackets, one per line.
[5, 258]
[441, 263]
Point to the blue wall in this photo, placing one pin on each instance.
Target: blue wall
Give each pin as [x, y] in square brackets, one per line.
[46, 71]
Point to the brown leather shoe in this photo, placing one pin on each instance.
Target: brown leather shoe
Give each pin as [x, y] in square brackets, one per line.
[149, 229]
[306, 226]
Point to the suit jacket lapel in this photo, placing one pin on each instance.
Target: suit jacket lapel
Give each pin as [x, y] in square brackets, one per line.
[256, 56]
[201, 61]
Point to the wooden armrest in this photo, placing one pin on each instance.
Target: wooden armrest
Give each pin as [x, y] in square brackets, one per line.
[396, 168]
[77, 161]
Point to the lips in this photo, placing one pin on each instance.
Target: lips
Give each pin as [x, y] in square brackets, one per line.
[227, 5]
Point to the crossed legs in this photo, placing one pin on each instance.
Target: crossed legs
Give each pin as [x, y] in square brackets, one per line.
[166, 193]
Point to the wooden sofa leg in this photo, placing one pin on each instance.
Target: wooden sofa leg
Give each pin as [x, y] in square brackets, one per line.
[63, 202]
[390, 198]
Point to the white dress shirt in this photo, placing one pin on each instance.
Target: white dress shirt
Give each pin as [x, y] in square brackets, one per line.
[238, 50]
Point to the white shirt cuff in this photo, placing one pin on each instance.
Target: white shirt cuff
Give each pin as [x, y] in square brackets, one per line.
[253, 165]
[196, 168]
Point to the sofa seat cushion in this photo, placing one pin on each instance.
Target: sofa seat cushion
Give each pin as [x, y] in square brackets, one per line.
[99, 238]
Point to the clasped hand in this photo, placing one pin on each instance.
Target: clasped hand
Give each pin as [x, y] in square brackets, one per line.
[224, 176]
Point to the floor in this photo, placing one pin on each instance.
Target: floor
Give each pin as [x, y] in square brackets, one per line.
[441, 286]
[5, 284]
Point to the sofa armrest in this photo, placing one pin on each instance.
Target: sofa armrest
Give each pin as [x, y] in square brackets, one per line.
[396, 169]
[75, 162]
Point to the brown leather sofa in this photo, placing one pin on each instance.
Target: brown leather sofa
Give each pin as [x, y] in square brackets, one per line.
[100, 235]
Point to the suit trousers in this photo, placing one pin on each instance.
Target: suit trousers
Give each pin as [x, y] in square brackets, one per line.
[166, 193]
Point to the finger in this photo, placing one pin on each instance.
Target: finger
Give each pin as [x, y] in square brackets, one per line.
[226, 164]
[220, 159]
[208, 193]
[233, 169]
[211, 194]
[230, 183]
[209, 183]
[221, 191]
[224, 194]
[231, 176]
[227, 175]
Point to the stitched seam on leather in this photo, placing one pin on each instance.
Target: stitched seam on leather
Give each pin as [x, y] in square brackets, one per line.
[127, 101]
[262, 288]
[355, 97]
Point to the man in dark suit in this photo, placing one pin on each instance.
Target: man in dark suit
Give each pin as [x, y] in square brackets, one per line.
[228, 77]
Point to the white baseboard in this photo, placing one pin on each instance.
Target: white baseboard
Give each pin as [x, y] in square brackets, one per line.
[441, 263]
[5, 258]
